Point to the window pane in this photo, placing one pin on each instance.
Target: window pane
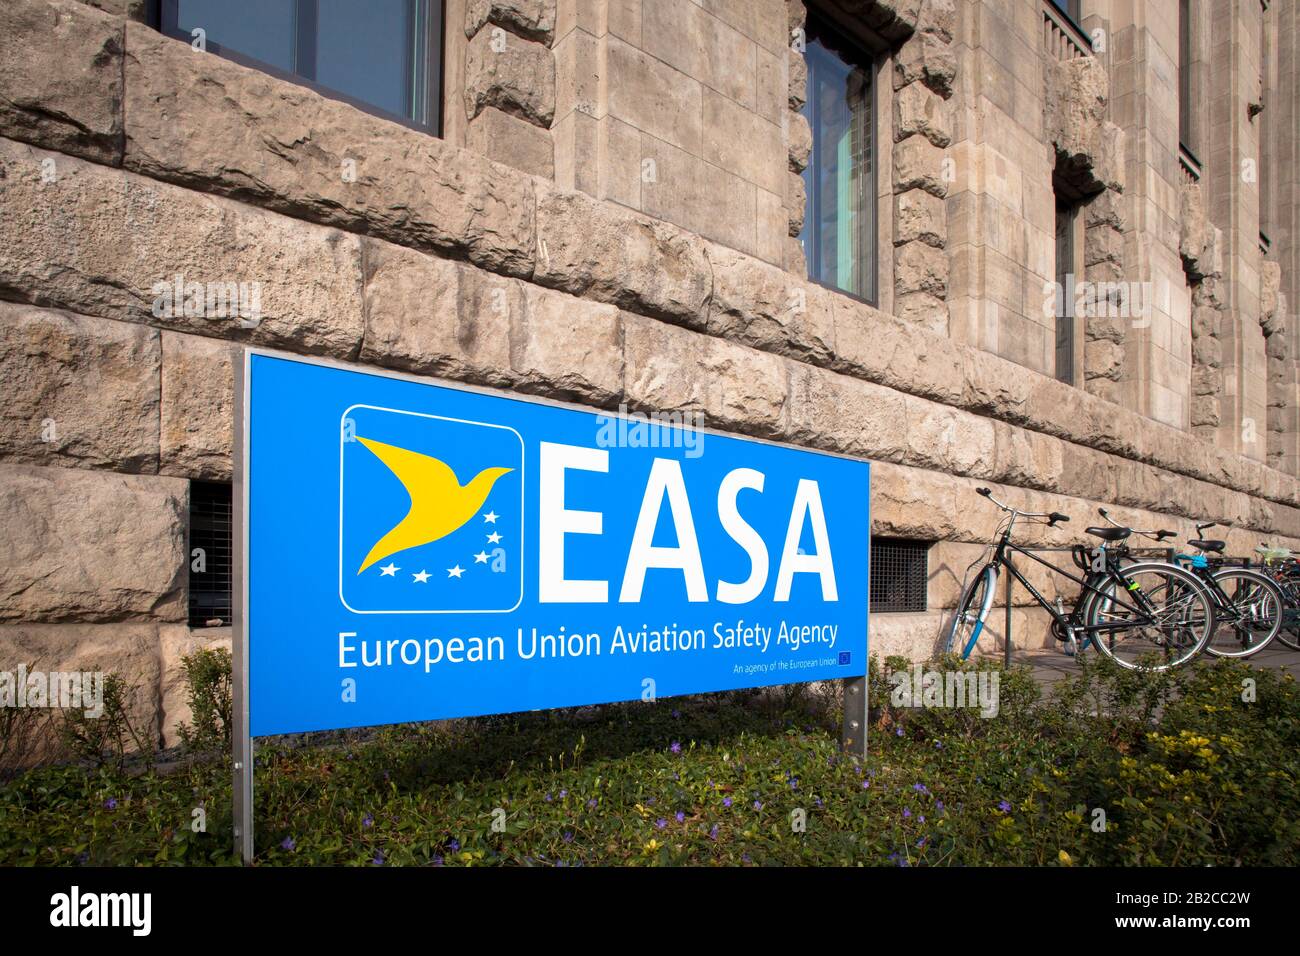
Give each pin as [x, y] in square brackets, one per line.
[262, 29]
[839, 222]
[364, 51]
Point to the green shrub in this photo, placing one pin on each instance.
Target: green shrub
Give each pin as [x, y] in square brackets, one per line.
[208, 690]
[112, 736]
[1110, 768]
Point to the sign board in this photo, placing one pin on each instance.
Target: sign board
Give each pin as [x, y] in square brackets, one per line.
[415, 550]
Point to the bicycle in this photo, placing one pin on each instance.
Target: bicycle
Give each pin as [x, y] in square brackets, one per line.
[1281, 566]
[1134, 613]
[1247, 604]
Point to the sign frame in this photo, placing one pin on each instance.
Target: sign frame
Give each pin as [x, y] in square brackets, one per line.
[853, 735]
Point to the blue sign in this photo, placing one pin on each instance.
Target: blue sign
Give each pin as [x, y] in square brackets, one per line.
[418, 551]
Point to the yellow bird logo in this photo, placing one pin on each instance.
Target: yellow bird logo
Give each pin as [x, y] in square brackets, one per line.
[440, 504]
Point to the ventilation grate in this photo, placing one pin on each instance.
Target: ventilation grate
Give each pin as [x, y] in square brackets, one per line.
[900, 570]
[211, 554]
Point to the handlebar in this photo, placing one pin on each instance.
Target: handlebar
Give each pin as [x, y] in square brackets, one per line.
[1156, 534]
[1052, 517]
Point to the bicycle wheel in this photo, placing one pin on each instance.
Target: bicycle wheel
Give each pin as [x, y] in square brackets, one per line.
[1290, 632]
[1252, 618]
[1162, 616]
[972, 611]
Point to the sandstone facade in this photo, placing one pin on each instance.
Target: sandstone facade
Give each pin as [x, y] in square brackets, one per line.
[610, 217]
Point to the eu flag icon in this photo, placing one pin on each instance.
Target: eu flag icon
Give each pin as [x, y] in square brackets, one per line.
[431, 514]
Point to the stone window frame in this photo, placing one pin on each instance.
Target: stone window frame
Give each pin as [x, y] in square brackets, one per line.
[879, 56]
[161, 16]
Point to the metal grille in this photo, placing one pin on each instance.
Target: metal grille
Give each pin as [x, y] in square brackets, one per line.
[900, 570]
[211, 558]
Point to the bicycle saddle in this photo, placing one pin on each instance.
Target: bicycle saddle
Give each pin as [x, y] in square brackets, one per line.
[1109, 534]
[1215, 546]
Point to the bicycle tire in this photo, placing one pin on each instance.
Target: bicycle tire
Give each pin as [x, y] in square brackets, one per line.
[1187, 625]
[1271, 593]
[972, 611]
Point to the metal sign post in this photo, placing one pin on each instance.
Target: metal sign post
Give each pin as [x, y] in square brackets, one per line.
[241, 744]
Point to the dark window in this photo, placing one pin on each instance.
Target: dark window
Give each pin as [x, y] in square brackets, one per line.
[1186, 134]
[839, 229]
[211, 554]
[383, 56]
[1071, 8]
[900, 571]
[1066, 213]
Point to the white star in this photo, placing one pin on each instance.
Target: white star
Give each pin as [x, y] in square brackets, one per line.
[455, 572]
[491, 517]
[422, 577]
[389, 570]
[493, 538]
[480, 558]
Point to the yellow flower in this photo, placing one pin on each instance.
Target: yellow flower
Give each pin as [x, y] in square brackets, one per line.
[652, 846]
[1064, 858]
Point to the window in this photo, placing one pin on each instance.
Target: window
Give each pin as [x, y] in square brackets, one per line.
[839, 230]
[383, 56]
[900, 571]
[1071, 8]
[1066, 220]
[211, 554]
[1186, 116]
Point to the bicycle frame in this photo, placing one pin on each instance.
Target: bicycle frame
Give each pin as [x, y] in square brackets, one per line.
[1090, 585]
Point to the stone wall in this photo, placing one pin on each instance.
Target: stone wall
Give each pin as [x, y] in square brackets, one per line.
[138, 160]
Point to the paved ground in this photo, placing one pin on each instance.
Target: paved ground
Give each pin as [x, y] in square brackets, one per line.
[1049, 666]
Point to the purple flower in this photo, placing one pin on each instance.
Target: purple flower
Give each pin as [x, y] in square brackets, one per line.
[745, 858]
[547, 798]
[288, 844]
[794, 783]
[437, 859]
[111, 803]
[726, 802]
[758, 805]
[660, 823]
[866, 784]
[921, 818]
[592, 803]
[567, 837]
[938, 745]
[676, 747]
[920, 843]
[907, 813]
[920, 788]
[453, 844]
[817, 802]
[563, 794]
[938, 804]
[713, 833]
[367, 821]
[1004, 807]
[378, 859]
[681, 817]
[898, 732]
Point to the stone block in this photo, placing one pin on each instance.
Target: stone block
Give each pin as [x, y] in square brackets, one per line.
[926, 58]
[674, 369]
[764, 306]
[78, 390]
[920, 216]
[512, 74]
[567, 348]
[917, 111]
[198, 416]
[100, 241]
[91, 545]
[513, 142]
[592, 249]
[126, 650]
[920, 268]
[800, 134]
[919, 164]
[61, 77]
[534, 19]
